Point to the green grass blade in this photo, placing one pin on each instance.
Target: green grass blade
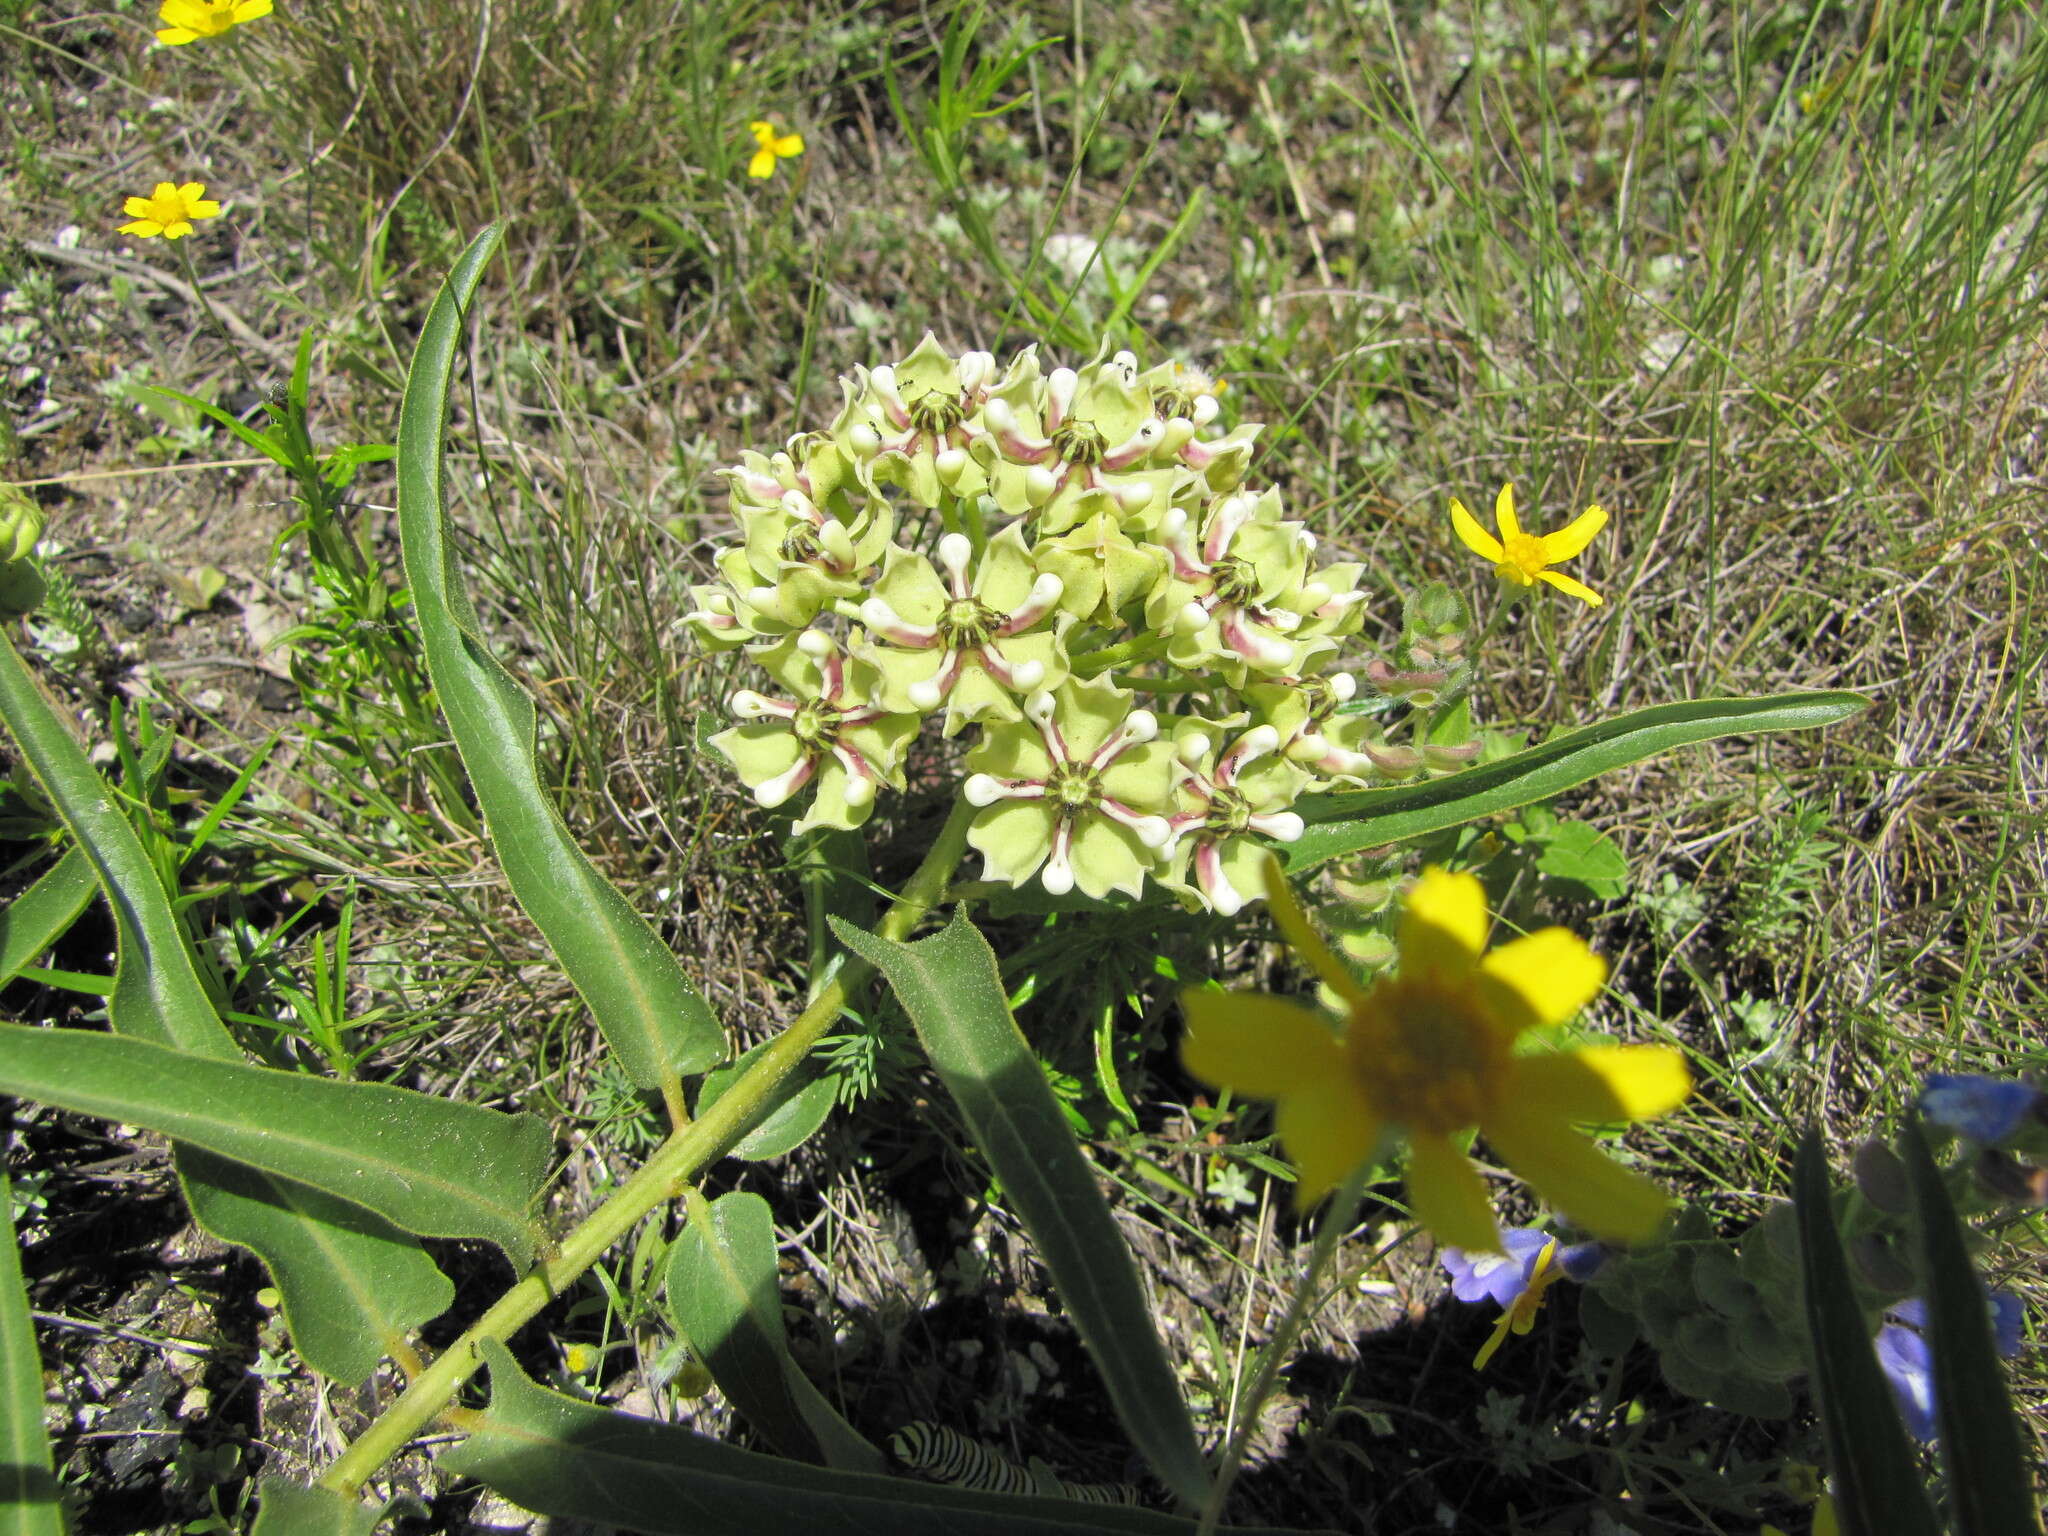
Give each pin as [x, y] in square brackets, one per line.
[291, 1510]
[157, 991]
[28, 1484]
[39, 916]
[1344, 823]
[428, 1165]
[1877, 1484]
[1989, 1492]
[557, 1456]
[643, 1002]
[950, 987]
[723, 1296]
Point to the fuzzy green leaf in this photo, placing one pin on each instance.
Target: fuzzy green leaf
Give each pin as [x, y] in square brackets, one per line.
[29, 1504]
[636, 989]
[1369, 818]
[1877, 1486]
[950, 987]
[723, 1296]
[428, 1165]
[290, 1509]
[38, 917]
[557, 1456]
[800, 1104]
[1989, 1489]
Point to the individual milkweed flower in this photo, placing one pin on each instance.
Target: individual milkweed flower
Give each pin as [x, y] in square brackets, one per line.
[1095, 432]
[169, 211]
[1526, 558]
[769, 147]
[970, 640]
[915, 422]
[189, 20]
[1517, 1279]
[1231, 597]
[1907, 1358]
[1075, 794]
[1245, 791]
[1985, 1109]
[1429, 1050]
[827, 732]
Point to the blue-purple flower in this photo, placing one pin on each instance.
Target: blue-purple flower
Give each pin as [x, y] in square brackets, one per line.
[1908, 1358]
[1985, 1109]
[1518, 1278]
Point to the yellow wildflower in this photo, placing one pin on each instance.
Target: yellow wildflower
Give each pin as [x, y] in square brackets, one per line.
[169, 211]
[1519, 1315]
[1526, 558]
[1429, 1051]
[189, 20]
[771, 147]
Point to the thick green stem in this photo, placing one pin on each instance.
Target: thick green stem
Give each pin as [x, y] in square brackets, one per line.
[674, 1164]
[1143, 648]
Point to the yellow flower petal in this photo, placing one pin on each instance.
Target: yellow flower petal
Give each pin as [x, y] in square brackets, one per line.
[1572, 588]
[174, 37]
[762, 166]
[1255, 1044]
[789, 146]
[764, 133]
[1327, 1131]
[177, 231]
[143, 229]
[192, 191]
[1474, 537]
[205, 208]
[249, 10]
[1443, 924]
[1603, 1084]
[164, 189]
[136, 207]
[1574, 536]
[1303, 939]
[1544, 977]
[1446, 1195]
[1614, 1203]
[1504, 513]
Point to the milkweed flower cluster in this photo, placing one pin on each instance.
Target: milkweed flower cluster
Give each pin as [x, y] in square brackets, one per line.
[1069, 570]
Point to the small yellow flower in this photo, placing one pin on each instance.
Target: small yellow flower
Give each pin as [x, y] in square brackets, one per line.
[1519, 1315]
[169, 211]
[190, 20]
[577, 1359]
[771, 147]
[1525, 558]
[1429, 1051]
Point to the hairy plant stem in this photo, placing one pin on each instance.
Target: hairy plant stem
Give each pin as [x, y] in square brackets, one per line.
[674, 1164]
[1337, 1219]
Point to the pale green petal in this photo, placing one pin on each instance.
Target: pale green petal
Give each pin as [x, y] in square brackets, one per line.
[1013, 837]
[977, 697]
[897, 670]
[884, 741]
[1603, 1084]
[1447, 1196]
[1088, 713]
[1541, 978]
[1011, 752]
[1615, 1204]
[1443, 924]
[828, 806]
[930, 367]
[1007, 572]
[1143, 777]
[758, 750]
[909, 585]
[1108, 857]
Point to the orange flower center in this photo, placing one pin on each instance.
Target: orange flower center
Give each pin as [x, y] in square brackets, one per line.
[1425, 1057]
[1525, 560]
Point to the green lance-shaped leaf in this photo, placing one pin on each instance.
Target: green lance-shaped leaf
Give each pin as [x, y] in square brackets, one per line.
[428, 1165]
[950, 987]
[290, 1509]
[802, 1103]
[1877, 1486]
[1370, 818]
[650, 1013]
[28, 1485]
[723, 1297]
[39, 916]
[351, 1283]
[1989, 1490]
[557, 1456]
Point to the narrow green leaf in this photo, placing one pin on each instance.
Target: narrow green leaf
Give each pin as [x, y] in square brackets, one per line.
[801, 1103]
[28, 1484]
[1369, 818]
[353, 1285]
[636, 989]
[289, 1509]
[428, 1165]
[157, 991]
[39, 916]
[723, 1296]
[557, 1456]
[1877, 1485]
[1988, 1487]
[950, 987]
